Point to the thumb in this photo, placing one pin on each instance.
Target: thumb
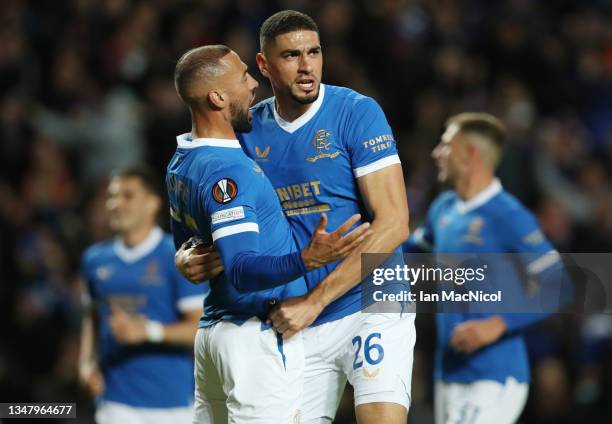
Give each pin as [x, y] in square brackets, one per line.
[322, 223]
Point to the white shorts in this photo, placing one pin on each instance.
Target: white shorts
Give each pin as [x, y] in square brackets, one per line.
[115, 412]
[481, 402]
[244, 374]
[374, 351]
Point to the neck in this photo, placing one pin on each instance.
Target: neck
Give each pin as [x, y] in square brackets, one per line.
[474, 184]
[137, 235]
[289, 109]
[211, 125]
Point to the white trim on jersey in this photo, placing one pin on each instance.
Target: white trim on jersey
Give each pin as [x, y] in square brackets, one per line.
[184, 142]
[190, 303]
[543, 262]
[419, 239]
[376, 165]
[481, 198]
[298, 123]
[235, 229]
[135, 253]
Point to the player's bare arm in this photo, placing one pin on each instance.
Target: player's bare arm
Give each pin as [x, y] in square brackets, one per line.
[203, 263]
[384, 195]
[90, 376]
[475, 334]
[130, 329]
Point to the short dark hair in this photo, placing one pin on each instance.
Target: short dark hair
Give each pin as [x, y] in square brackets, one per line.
[483, 124]
[197, 64]
[284, 22]
[149, 179]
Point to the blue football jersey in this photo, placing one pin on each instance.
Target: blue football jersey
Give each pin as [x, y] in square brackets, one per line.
[218, 194]
[494, 221]
[142, 281]
[314, 163]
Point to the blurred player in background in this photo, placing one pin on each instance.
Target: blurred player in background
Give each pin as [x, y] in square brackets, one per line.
[137, 360]
[330, 148]
[245, 372]
[481, 364]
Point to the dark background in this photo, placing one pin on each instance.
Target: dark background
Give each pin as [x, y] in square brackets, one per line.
[85, 87]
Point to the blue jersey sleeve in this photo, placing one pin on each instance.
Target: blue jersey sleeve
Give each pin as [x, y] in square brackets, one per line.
[546, 276]
[230, 202]
[370, 141]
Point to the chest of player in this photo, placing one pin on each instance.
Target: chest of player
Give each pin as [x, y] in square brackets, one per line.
[131, 286]
[306, 168]
[458, 232]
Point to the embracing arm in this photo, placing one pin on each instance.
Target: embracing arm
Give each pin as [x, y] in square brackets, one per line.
[249, 271]
[385, 197]
[133, 330]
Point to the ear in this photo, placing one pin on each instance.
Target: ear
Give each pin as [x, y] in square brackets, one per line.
[216, 99]
[262, 63]
[473, 152]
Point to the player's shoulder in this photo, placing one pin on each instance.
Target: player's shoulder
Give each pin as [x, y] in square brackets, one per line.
[509, 215]
[98, 252]
[505, 204]
[263, 108]
[237, 166]
[213, 162]
[348, 97]
[444, 200]
[239, 175]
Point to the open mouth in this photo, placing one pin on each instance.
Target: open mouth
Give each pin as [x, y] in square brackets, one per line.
[306, 84]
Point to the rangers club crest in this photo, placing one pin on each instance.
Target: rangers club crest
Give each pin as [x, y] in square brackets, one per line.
[322, 145]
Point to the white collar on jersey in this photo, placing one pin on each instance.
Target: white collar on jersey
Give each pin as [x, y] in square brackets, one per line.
[132, 254]
[185, 141]
[481, 198]
[298, 123]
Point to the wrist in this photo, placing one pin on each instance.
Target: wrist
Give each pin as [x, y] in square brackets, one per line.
[499, 323]
[307, 260]
[154, 331]
[315, 298]
[88, 366]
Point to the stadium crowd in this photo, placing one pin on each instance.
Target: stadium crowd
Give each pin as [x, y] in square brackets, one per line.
[86, 87]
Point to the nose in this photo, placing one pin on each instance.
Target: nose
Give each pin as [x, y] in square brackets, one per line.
[253, 83]
[305, 64]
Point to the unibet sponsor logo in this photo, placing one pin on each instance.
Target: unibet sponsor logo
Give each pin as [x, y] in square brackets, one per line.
[300, 198]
